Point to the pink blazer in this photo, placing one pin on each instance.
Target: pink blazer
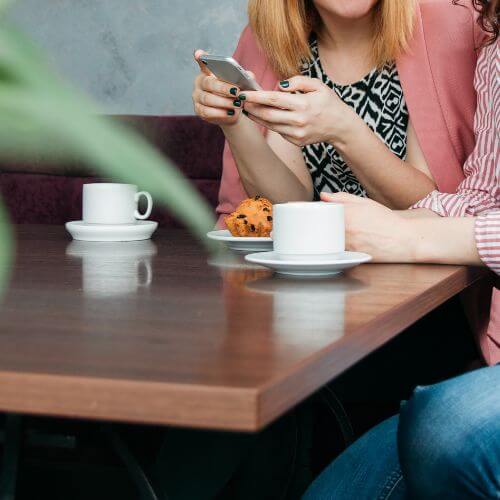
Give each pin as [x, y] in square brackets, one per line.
[437, 75]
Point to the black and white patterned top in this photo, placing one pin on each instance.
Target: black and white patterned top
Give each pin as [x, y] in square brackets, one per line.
[378, 99]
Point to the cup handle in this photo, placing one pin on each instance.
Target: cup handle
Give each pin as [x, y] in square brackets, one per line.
[149, 273]
[147, 213]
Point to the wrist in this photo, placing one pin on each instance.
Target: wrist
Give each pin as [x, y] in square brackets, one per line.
[343, 120]
[232, 130]
[229, 127]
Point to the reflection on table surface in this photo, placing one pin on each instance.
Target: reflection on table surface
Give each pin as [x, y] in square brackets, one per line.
[160, 332]
[165, 310]
[296, 300]
[114, 268]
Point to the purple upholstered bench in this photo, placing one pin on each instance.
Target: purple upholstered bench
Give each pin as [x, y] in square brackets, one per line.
[35, 196]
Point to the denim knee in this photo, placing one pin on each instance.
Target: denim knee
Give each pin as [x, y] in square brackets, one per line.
[449, 439]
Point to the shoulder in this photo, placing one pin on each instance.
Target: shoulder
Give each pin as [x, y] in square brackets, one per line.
[458, 20]
[250, 55]
[248, 45]
[457, 9]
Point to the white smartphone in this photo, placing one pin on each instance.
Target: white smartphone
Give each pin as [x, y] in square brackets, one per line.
[228, 70]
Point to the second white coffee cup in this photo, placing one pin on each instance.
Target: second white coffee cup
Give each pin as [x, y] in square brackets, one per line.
[109, 203]
[303, 230]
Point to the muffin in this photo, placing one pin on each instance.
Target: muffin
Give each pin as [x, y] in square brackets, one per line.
[253, 217]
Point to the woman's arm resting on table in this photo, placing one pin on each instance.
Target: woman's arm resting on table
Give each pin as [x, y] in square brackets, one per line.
[417, 213]
[445, 240]
[390, 237]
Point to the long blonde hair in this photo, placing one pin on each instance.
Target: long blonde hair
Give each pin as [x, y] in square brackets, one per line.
[283, 27]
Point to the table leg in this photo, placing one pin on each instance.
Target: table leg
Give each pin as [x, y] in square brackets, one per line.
[331, 400]
[138, 476]
[11, 453]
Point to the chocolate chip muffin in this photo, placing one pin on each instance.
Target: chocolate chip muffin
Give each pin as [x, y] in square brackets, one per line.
[253, 217]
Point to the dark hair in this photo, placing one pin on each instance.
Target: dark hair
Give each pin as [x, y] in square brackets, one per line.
[489, 14]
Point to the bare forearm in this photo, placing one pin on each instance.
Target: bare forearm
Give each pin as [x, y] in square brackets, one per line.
[445, 240]
[417, 213]
[261, 171]
[387, 179]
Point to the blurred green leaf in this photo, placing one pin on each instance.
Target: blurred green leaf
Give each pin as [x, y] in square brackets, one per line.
[40, 115]
[6, 243]
[113, 150]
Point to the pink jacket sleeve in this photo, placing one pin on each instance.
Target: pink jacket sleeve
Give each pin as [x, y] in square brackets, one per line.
[231, 192]
[479, 192]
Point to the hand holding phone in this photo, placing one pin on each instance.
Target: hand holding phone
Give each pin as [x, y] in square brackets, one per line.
[215, 100]
[228, 70]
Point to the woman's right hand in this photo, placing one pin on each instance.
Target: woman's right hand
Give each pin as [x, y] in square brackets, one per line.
[215, 101]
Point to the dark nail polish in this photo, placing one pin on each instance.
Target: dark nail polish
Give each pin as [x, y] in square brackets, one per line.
[285, 84]
[242, 97]
[230, 112]
[245, 112]
[234, 91]
[237, 103]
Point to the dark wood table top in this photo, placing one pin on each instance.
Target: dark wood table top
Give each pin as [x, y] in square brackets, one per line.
[151, 332]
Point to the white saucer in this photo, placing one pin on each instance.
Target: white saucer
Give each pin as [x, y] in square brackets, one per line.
[141, 230]
[322, 266]
[240, 243]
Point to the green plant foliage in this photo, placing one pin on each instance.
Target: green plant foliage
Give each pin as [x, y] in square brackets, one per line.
[6, 243]
[41, 117]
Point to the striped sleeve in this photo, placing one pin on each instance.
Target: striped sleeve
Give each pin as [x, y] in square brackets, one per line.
[487, 232]
[480, 190]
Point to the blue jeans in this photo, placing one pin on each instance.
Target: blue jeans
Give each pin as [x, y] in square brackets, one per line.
[445, 444]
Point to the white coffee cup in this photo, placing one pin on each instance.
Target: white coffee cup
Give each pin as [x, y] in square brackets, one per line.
[106, 203]
[306, 230]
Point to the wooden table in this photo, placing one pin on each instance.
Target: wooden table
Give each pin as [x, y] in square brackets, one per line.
[151, 332]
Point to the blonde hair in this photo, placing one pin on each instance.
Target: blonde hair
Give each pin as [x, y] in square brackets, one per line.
[283, 28]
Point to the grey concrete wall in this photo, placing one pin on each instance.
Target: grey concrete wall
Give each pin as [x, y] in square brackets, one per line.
[133, 56]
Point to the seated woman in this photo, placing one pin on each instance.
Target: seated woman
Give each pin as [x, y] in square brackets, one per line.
[460, 228]
[446, 441]
[445, 444]
[357, 134]
[389, 64]
[398, 123]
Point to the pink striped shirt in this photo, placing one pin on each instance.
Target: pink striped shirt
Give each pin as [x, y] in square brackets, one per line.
[479, 193]
[488, 239]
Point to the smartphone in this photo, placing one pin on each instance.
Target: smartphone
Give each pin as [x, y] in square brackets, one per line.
[228, 70]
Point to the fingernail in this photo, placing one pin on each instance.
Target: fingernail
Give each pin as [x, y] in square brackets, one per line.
[230, 112]
[234, 91]
[242, 97]
[237, 103]
[245, 112]
[285, 84]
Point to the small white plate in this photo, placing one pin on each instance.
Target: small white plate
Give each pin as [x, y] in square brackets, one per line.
[141, 230]
[241, 243]
[322, 266]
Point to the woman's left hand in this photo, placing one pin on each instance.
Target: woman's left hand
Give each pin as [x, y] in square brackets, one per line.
[376, 229]
[315, 115]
